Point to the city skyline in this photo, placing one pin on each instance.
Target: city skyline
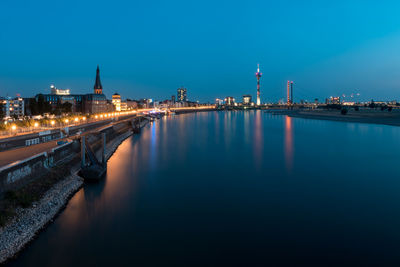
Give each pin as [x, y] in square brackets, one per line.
[147, 52]
[199, 133]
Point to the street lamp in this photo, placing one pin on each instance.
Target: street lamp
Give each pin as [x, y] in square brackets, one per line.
[52, 123]
[13, 128]
[36, 125]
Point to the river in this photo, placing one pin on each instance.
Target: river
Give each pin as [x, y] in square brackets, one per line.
[239, 188]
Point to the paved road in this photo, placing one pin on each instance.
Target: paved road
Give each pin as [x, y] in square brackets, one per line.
[10, 156]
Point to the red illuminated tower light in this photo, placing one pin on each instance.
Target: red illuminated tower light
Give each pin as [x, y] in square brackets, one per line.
[258, 75]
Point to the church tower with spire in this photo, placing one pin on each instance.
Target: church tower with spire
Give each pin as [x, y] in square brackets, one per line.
[98, 89]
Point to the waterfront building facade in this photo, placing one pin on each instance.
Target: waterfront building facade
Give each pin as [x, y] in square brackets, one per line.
[97, 102]
[131, 104]
[124, 106]
[333, 100]
[13, 107]
[229, 101]
[247, 100]
[116, 101]
[60, 96]
[182, 94]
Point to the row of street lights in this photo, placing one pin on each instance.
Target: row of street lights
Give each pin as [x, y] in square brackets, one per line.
[96, 117]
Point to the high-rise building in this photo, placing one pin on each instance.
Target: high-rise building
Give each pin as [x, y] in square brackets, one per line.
[173, 99]
[289, 92]
[98, 89]
[229, 101]
[182, 94]
[258, 75]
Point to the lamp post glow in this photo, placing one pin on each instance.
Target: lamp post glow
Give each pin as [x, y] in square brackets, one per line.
[52, 123]
[36, 125]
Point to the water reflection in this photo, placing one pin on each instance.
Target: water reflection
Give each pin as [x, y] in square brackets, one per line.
[289, 144]
[199, 202]
[246, 125]
[258, 142]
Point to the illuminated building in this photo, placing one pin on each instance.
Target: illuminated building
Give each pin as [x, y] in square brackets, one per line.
[247, 100]
[56, 91]
[116, 101]
[97, 102]
[131, 104]
[258, 75]
[333, 100]
[182, 94]
[289, 92]
[219, 101]
[98, 89]
[60, 96]
[84, 103]
[229, 101]
[13, 107]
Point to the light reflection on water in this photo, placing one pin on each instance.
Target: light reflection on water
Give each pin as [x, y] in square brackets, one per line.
[289, 143]
[236, 188]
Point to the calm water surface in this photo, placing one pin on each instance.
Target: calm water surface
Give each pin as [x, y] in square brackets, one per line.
[236, 188]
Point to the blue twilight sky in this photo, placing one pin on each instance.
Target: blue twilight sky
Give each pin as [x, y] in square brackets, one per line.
[150, 48]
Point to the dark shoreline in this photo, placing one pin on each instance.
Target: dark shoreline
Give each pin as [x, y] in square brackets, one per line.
[363, 116]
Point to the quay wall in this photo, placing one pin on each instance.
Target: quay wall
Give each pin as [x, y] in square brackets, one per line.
[20, 173]
[28, 140]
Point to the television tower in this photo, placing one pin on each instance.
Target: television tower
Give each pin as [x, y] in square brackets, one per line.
[258, 75]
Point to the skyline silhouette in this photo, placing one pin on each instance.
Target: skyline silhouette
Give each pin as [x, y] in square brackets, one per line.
[148, 50]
